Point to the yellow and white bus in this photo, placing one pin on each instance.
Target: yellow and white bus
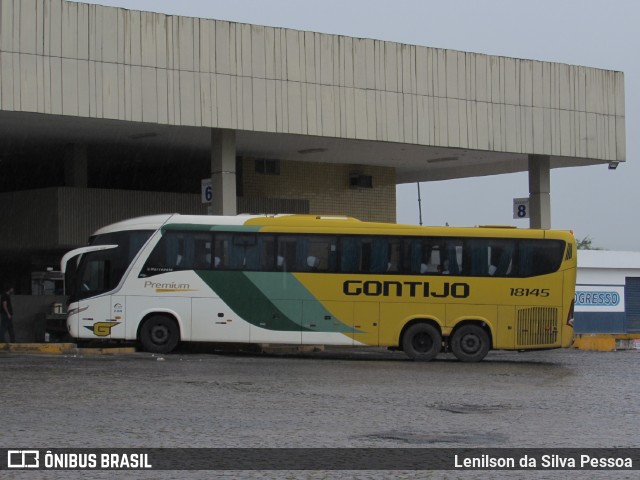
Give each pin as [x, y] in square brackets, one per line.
[304, 279]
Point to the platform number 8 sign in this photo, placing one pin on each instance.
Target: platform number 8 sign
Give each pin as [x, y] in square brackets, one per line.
[520, 208]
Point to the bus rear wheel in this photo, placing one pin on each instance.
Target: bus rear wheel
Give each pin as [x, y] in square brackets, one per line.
[159, 334]
[422, 341]
[470, 343]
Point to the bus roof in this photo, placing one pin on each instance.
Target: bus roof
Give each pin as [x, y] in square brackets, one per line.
[154, 222]
[324, 223]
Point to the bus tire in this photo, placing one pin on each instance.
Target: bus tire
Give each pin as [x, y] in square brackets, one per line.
[159, 334]
[422, 341]
[470, 343]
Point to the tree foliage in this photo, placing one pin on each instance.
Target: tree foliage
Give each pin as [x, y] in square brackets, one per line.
[586, 244]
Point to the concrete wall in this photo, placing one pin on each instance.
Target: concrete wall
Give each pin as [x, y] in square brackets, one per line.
[65, 217]
[326, 187]
[84, 60]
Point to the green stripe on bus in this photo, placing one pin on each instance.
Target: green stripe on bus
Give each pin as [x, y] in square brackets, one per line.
[251, 304]
[286, 286]
[274, 301]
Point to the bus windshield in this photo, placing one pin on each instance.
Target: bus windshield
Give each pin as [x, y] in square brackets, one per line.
[97, 272]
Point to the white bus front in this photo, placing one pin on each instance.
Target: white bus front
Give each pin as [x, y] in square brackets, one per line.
[92, 278]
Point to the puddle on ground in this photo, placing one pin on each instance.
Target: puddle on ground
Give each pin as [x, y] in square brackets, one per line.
[426, 439]
[467, 408]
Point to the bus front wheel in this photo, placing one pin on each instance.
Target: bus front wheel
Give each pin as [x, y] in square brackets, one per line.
[422, 341]
[159, 334]
[470, 343]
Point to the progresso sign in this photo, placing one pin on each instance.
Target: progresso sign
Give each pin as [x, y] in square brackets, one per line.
[597, 299]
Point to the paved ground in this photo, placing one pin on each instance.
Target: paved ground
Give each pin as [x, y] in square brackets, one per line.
[359, 398]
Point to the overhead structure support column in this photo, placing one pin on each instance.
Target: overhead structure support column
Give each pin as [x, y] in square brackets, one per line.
[540, 191]
[223, 172]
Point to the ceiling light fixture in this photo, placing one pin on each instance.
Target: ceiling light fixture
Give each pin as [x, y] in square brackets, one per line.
[442, 159]
[311, 150]
[140, 136]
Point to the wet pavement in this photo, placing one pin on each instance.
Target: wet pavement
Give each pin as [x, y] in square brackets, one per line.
[353, 398]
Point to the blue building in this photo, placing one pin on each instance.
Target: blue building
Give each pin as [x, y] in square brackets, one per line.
[607, 292]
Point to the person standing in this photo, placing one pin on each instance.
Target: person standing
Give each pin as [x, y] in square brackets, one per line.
[6, 313]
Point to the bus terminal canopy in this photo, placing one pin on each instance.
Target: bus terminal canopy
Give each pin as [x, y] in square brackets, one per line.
[108, 113]
[431, 114]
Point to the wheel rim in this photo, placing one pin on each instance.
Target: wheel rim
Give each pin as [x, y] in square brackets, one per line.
[159, 334]
[422, 342]
[470, 343]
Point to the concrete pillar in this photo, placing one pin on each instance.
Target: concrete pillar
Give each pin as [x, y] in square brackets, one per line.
[223, 172]
[539, 191]
[75, 166]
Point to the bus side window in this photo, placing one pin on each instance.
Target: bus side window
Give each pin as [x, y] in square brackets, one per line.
[221, 251]
[293, 254]
[550, 256]
[478, 251]
[332, 263]
[165, 257]
[174, 251]
[322, 250]
[202, 251]
[431, 258]
[379, 261]
[305, 253]
[539, 257]
[525, 259]
[350, 255]
[252, 257]
[395, 256]
[454, 258]
[286, 253]
[266, 253]
[243, 252]
[301, 254]
[154, 261]
[501, 258]
[413, 256]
